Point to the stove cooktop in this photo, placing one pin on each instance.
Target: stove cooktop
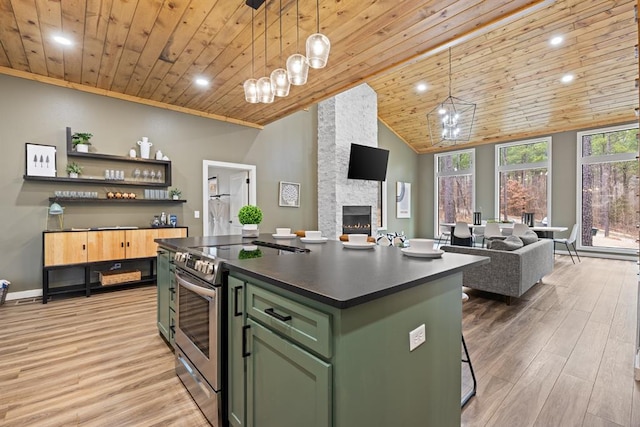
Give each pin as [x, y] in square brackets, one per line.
[205, 261]
[253, 249]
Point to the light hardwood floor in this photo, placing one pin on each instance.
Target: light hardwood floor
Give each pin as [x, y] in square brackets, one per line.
[560, 356]
[94, 361]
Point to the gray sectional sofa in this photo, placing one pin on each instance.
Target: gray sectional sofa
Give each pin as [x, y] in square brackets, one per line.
[510, 273]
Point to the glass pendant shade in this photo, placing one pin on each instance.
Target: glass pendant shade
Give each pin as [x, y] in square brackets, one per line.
[251, 91]
[297, 69]
[280, 82]
[265, 91]
[318, 46]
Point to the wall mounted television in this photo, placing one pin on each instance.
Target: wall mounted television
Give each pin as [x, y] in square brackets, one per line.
[368, 163]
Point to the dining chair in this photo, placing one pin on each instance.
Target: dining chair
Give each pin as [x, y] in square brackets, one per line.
[569, 241]
[478, 233]
[462, 234]
[520, 229]
[492, 232]
[445, 235]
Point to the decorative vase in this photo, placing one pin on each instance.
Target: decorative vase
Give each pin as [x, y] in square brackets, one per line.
[73, 175]
[250, 230]
[82, 148]
[145, 147]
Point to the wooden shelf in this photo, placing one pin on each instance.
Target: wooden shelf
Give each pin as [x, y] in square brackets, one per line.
[166, 165]
[118, 158]
[95, 181]
[103, 200]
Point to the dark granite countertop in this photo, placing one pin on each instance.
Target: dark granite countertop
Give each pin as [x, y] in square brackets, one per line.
[333, 274]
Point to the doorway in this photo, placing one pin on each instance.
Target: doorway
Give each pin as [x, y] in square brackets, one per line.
[226, 187]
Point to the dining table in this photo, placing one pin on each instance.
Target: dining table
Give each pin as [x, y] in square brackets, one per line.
[543, 231]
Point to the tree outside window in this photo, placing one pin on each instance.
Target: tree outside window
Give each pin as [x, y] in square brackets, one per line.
[608, 184]
[523, 180]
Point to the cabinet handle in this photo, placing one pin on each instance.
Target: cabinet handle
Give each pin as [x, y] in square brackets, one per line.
[127, 244]
[245, 353]
[271, 312]
[236, 313]
[84, 247]
[122, 244]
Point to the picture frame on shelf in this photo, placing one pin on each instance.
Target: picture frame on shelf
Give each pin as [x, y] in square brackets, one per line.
[40, 160]
[403, 199]
[289, 194]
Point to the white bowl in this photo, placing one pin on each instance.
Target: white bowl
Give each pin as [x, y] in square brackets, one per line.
[313, 234]
[422, 245]
[283, 231]
[358, 238]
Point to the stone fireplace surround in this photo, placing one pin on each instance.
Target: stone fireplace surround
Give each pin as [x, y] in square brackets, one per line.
[349, 117]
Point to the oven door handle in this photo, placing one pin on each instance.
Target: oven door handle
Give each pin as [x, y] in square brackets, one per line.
[195, 288]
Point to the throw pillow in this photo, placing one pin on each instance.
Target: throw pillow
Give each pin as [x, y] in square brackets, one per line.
[511, 243]
[529, 237]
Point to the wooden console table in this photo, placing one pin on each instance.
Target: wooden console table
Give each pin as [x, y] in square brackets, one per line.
[96, 251]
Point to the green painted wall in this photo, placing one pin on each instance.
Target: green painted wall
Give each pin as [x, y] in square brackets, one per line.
[39, 113]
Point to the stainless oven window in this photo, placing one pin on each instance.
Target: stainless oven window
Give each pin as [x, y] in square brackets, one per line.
[194, 318]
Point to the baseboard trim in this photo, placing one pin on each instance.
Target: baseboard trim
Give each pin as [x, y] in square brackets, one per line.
[33, 293]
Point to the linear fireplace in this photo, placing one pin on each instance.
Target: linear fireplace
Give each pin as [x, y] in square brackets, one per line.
[356, 220]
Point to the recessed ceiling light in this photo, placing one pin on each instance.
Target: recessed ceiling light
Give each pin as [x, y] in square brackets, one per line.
[557, 40]
[421, 87]
[202, 82]
[62, 40]
[567, 78]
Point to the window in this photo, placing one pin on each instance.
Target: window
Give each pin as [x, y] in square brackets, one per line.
[454, 187]
[523, 181]
[607, 188]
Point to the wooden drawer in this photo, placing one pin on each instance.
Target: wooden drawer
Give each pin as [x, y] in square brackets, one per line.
[308, 327]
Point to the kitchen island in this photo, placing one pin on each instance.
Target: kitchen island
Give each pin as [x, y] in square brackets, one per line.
[322, 338]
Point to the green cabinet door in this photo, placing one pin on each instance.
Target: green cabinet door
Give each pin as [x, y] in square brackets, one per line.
[286, 385]
[163, 282]
[236, 386]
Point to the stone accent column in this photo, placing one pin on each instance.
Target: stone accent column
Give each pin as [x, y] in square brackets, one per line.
[350, 117]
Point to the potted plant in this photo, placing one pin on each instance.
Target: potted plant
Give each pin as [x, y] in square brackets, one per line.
[250, 216]
[175, 193]
[74, 169]
[80, 141]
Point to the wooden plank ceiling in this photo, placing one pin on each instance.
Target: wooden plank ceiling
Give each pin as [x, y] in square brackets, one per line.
[151, 51]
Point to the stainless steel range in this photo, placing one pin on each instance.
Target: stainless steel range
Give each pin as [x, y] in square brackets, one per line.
[200, 325]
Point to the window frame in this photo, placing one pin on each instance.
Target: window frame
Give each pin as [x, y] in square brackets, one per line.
[436, 182]
[580, 161]
[524, 166]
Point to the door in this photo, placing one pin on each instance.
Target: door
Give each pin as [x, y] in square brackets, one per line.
[140, 244]
[236, 387]
[163, 282]
[65, 248]
[286, 386]
[105, 245]
[239, 190]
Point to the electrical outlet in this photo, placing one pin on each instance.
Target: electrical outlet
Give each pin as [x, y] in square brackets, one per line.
[196, 214]
[417, 337]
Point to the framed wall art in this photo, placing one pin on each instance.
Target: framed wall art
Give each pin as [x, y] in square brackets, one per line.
[403, 199]
[289, 194]
[40, 160]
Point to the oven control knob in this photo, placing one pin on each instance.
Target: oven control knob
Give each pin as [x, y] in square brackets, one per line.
[208, 268]
[198, 265]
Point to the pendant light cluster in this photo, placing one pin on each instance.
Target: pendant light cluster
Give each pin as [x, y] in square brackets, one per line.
[452, 120]
[297, 65]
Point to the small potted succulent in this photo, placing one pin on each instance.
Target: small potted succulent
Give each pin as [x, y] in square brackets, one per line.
[250, 216]
[175, 193]
[74, 169]
[80, 141]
